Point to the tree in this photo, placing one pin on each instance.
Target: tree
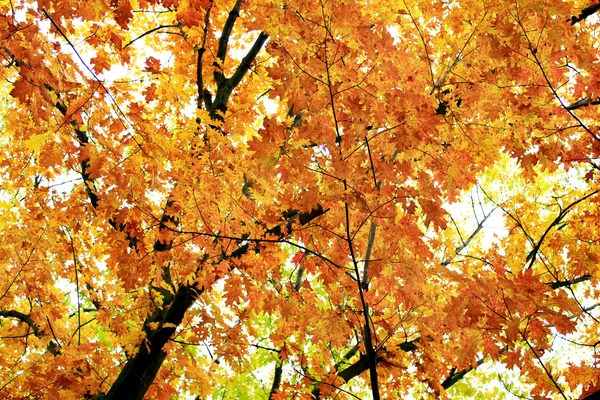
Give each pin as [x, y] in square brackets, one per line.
[222, 199]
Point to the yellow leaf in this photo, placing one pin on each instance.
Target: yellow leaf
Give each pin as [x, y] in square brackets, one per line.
[36, 142]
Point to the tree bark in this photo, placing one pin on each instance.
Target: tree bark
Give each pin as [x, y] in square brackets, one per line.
[139, 372]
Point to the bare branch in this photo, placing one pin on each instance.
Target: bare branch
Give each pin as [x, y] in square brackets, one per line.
[466, 242]
[153, 30]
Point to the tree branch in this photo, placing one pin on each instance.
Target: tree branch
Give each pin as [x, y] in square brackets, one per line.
[370, 350]
[362, 364]
[466, 242]
[569, 282]
[201, 51]
[586, 101]
[153, 30]
[139, 371]
[371, 241]
[225, 86]
[457, 376]
[25, 318]
[226, 32]
[533, 51]
[586, 12]
[276, 378]
[532, 255]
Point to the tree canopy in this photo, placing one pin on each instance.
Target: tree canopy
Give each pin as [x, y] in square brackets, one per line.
[303, 199]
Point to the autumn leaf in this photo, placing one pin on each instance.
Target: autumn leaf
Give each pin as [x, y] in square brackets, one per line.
[298, 199]
[123, 14]
[150, 92]
[35, 142]
[100, 63]
[152, 65]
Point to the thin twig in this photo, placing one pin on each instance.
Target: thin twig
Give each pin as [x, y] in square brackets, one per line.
[151, 31]
[543, 365]
[75, 262]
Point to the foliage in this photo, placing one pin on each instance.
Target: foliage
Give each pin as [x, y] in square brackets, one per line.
[293, 199]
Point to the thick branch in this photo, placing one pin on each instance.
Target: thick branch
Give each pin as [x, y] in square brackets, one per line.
[371, 354]
[84, 140]
[276, 378]
[224, 42]
[559, 284]
[370, 350]
[227, 28]
[226, 86]
[355, 369]
[140, 370]
[362, 364]
[23, 318]
[201, 52]
[457, 376]
[592, 396]
[586, 12]
[586, 101]
[365, 281]
[248, 59]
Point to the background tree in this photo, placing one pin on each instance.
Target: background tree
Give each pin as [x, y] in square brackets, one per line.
[226, 199]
